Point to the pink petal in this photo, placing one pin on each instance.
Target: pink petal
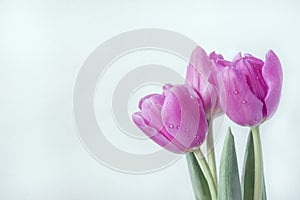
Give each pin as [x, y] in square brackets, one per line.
[200, 60]
[154, 134]
[171, 111]
[142, 124]
[214, 56]
[156, 99]
[151, 110]
[192, 128]
[202, 76]
[219, 60]
[272, 73]
[251, 68]
[237, 57]
[144, 98]
[239, 103]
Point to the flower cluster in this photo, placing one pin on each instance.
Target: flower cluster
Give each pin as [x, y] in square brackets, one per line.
[246, 89]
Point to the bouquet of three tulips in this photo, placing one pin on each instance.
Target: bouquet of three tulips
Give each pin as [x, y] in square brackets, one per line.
[180, 119]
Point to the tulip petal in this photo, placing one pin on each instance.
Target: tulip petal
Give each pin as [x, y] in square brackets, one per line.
[142, 123]
[151, 110]
[237, 57]
[251, 68]
[214, 56]
[202, 76]
[238, 101]
[144, 98]
[192, 125]
[272, 73]
[153, 134]
[171, 111]
[201, 61]
[172, 145]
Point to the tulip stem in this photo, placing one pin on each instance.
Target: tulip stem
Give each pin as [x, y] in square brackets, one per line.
[258, 169]
[211, 151]
[208, 174]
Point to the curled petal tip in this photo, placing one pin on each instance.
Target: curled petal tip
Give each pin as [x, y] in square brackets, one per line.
[138, 119]
[238, 56]
[214, 56]
[270, 52]
[271, 56]
[167, 86]
[143, 99]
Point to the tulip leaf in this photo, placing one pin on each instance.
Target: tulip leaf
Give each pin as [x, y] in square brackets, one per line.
[248, 172]
[229, 182]
[199, 182]
[264, 193]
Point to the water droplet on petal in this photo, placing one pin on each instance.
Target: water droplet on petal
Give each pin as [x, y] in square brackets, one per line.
[177, 127]
[171, 126]
[186, 129]
[257, 77]
[244, 101]
[236, 92]
[192, 97]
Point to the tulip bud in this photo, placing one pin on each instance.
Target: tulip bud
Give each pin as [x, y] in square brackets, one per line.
[175, 119]
[252, 88]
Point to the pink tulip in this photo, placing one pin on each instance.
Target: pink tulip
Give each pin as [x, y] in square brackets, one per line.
[175, 119]
[202, 76]
[252, 88]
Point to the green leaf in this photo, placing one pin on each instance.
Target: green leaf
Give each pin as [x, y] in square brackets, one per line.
[248, 172]
[229, 185]
[199, 182]
[264, 192]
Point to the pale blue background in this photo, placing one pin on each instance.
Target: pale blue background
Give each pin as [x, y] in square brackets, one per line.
[42, 47]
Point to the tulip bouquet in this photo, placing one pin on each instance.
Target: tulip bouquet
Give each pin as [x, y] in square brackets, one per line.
[180, 119]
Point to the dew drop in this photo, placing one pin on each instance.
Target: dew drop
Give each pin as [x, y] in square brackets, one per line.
[244, 101]
[171, 126]
[177, 127]
[236, 92]
[186, 129]
[192, 97]
[257, 77]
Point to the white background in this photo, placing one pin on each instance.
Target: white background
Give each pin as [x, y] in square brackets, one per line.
[42, 47]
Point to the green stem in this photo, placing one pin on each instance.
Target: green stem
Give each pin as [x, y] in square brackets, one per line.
[211, 151]
[258, 169]
[208, 174]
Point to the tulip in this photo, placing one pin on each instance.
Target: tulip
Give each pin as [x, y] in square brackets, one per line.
[251, 88]
[202, 76]
[175, 119]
